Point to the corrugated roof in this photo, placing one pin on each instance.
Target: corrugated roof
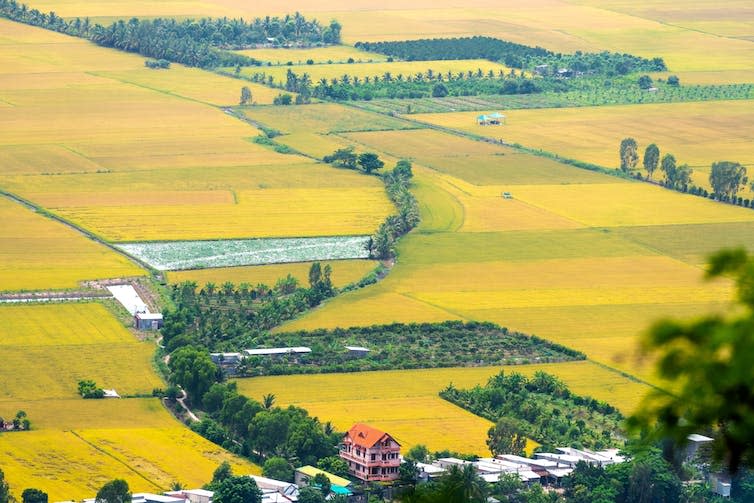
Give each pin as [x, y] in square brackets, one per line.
[334, 479]
[364, 435]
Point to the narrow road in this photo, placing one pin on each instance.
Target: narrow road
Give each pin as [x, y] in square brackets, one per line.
[180, 401]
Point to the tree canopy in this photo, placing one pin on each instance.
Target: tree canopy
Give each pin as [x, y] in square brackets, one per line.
[115, 491]
[726, 178]
[710, 362]
[629, 155]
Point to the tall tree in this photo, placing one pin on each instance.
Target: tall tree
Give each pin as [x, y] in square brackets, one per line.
[505, 437]
[245, 96]
[115, 491]
[5, 496]
[192, 369]
[668, 167]
[629, 155]
[369, 161]
[726, 178]
[651, 159]
[709, 360]
[278, 468]
[32, 495]
[239, 489]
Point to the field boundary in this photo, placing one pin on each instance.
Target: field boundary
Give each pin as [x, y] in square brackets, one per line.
[84, 232]
[114, 457]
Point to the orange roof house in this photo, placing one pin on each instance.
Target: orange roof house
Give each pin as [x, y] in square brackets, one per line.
[371, 454]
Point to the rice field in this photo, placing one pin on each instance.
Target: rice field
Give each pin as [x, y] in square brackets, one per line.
[472, 161]
[696, 133]
[344, 272]
[75, 341]
[405, 402]
[74, 464]
[122, 171]
[77, 445]
[37, 253]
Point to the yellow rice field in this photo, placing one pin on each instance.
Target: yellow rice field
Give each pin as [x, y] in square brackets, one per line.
[696, 133]
[73, 464]
[37, 253]
[77, 445]
[405, 402]
[76, 341]
[132, 170]
[343, 273]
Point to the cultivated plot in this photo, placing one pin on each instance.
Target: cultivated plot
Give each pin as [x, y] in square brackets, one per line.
[696, 133]
[37, 253]
[344, 272]
[132, 170]
[77, 445]
[405, 402]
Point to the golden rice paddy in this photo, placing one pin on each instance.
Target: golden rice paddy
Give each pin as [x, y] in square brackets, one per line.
[344, 272]
[37, 253]
[406, 402]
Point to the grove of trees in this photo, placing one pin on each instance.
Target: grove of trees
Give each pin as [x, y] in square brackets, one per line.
[204, 42]
[513, 55]
[542, 408]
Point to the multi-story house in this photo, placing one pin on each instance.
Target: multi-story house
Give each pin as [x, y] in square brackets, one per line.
[372, 455]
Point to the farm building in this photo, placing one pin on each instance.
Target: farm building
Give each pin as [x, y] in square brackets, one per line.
[371, 454]
[226, 358]
[148, 321]
[305, 474]
[357, 351]
[494, 119]
[299, 350]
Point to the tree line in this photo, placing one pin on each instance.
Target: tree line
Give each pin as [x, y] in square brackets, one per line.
[397, 185]
[514, 55]
[418, 85]
[228, 317]
[261, 430]
[202, 43]
[726, 178]
[541, 408]
[404, 346]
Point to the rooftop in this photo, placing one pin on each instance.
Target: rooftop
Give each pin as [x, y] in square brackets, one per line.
[277, 351]
[365, 435]
[334, 479]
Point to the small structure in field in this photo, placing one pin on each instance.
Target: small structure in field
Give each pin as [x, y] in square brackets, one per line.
[494, 119]
[507, 195]
[148, 321]
[298, 350]
[110, 393]
[371, 454]
[357, 351]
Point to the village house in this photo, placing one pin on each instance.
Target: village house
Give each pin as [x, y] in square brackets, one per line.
[371, 454]
[148, 321]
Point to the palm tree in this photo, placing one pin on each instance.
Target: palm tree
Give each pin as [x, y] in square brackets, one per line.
[268, 400]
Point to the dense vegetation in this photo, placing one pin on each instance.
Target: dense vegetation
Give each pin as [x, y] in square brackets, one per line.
[726, 177]
[261, 430]
[514, 55]
[581, 93]
[405, 346]
[230, 317]
[397, 184]
[541, 408]
[191, 42]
